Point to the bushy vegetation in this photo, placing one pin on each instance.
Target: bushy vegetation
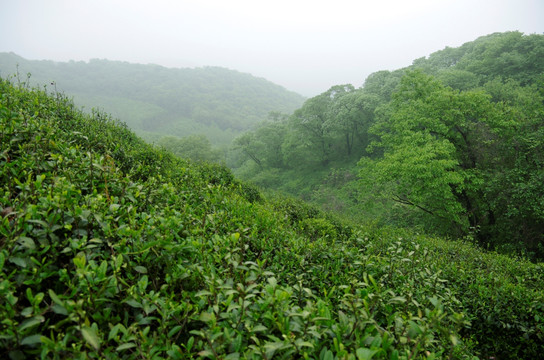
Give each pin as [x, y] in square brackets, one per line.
[111, 248]
[452, 145]
[193, 147]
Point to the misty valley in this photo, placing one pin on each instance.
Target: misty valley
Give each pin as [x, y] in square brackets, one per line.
[157, 213]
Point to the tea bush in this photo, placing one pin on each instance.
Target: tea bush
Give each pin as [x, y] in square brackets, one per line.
[111, 248]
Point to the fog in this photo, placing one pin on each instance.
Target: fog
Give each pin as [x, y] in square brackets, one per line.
[305, 46]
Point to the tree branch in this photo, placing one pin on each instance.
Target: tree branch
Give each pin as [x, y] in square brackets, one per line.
[405, 201]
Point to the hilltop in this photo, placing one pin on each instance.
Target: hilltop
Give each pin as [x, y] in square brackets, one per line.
[155, 101]
[111, 248]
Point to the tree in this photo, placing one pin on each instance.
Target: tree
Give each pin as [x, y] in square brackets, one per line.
[351, 115]
[263, 145]
[465, 161]
[515, 189]
[271, 135]
[383, 83]
[436, 144]
[311, 122]
[250, 146]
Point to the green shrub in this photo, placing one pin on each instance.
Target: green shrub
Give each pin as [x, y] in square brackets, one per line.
[318, 228]
[110, 248]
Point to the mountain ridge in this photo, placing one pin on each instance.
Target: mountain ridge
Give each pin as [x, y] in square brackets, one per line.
[155, 100]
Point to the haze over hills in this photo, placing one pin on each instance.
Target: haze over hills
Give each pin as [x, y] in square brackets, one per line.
[155, 101]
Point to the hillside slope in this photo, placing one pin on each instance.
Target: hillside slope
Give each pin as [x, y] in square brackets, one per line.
[154, 100]
[452, 145]
[110, 248]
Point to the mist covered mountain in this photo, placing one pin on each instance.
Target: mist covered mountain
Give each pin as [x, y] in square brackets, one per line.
[154, 100]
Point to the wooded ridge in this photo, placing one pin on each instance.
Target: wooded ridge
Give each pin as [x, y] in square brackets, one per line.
[156, 101]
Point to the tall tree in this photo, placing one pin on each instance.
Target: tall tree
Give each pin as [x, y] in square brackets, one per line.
[311, 121]
[250, 146]
[351, 115]
[436, 145]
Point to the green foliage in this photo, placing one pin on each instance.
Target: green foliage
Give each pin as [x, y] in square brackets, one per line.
[156, 101]
[455, 146]
[112, 248]
[318, 228]
[193, 147]
[511, 55]
[448, 154]
[329, 127]
[427, 152]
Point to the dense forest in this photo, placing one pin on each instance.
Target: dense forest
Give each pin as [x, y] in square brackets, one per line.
[451, 145]
[112, 248]
[156, 101]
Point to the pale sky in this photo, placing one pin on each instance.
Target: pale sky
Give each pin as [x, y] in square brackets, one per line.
[304, 46]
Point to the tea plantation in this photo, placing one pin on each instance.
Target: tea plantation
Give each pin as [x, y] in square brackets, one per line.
[111, 248]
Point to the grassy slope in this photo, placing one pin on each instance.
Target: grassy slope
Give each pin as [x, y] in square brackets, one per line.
[111, 248]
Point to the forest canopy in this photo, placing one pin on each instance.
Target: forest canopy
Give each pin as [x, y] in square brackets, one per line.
[156, 101]
[453, 144]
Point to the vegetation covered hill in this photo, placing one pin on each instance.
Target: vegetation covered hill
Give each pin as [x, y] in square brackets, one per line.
[452, 145]
[155, 101]
[110, 248]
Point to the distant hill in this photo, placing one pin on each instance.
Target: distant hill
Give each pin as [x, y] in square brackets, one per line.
[154, 100]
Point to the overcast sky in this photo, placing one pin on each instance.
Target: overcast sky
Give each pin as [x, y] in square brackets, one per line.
[304, 45]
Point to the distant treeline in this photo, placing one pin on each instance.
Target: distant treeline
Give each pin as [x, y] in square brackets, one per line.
[156, 101]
